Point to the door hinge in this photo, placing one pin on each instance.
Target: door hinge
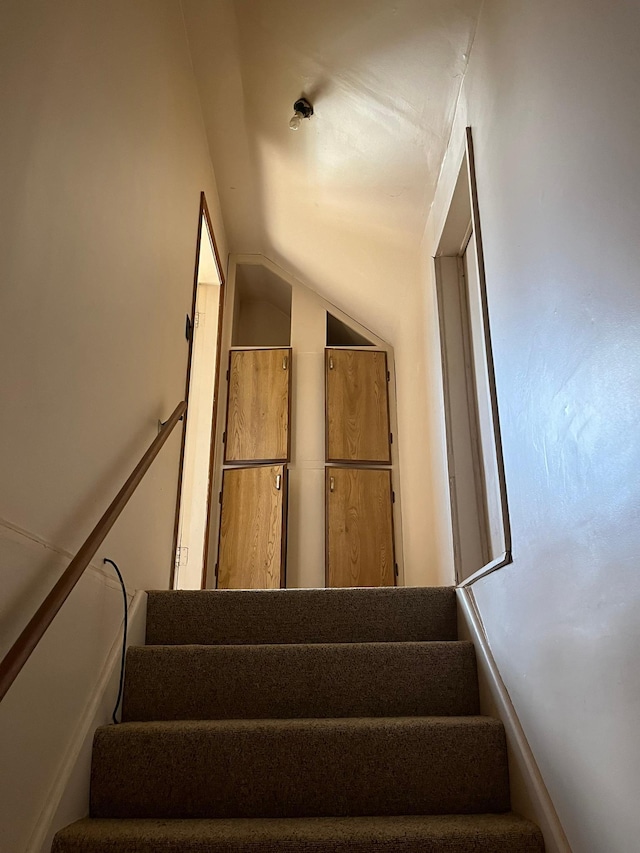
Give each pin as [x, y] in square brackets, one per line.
[388, 376]
[227, 375]
[219, 497]
[395, 568]
[196, 319]
[188, 328]
[390, 438]
[224, 437]
[182, 555]
[393, 497]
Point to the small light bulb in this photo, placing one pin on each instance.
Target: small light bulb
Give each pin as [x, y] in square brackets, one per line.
[296, 121]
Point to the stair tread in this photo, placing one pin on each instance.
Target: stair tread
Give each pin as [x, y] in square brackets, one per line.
[172, 682]
[327, 723]
[388, 614]
[301, 721]
[482, 833]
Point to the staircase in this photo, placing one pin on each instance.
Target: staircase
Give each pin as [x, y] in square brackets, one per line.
[302, 721]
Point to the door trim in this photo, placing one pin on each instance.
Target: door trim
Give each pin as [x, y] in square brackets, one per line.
[203, 212]
[493, 394]
[453, 241]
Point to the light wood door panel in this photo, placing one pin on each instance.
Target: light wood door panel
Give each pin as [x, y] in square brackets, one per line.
[357, 406]
[251, 552]
[359, 527]
[258, 406]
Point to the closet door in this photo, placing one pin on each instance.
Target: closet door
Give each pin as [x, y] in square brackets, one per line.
[252, 546]
[359, 527]
[357, 406]
[258, 407]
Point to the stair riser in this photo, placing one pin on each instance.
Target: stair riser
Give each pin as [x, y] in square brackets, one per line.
[300, 768]
[253, 682]
[229, 617]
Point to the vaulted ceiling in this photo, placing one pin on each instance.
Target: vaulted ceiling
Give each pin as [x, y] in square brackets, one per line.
[342, 203]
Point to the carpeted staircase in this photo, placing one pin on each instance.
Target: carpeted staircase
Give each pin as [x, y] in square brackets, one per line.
[301, 720]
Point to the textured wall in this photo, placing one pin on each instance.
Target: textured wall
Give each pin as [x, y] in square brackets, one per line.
[551, 95]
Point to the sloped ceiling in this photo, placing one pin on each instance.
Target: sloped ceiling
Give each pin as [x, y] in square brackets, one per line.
[342, 203]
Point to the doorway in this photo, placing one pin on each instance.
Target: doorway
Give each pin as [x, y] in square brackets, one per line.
[203, 327]
[479, 510]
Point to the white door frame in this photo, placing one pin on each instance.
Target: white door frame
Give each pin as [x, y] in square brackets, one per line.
[471, 524]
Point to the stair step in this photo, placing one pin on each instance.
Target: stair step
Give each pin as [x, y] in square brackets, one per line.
[229, 617]
[293, 681]
[484, 833]
[300, 768]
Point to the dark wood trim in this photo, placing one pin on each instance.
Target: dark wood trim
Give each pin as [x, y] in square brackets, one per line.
[358, 463]
[493, 394]
[285, 526]
[290, 406]
[326, 524]
[216, 392]
[224, 473]
[203, 211]
[326, 436]
[21, 650]
[499, 562]
[396, 567]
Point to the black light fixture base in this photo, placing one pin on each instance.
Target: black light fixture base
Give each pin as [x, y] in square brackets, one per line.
[303, 107]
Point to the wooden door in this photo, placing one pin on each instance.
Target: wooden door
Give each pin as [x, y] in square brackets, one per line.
[252, 545]
[258, 406]
[359, 527]
[357, 406]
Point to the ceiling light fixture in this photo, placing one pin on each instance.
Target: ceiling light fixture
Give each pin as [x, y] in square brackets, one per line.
[301, 109]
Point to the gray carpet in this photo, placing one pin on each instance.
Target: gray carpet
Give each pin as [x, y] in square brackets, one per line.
[318, 721]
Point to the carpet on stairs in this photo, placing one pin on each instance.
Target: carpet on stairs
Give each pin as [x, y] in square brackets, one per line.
[318, 721]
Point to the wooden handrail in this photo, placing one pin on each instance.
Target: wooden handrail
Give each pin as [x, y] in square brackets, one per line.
[19, 653]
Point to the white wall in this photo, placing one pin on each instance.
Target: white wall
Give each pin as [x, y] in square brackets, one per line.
[551, 95]
[331, 204]
[102, 160]
[306, 543]
[261, 324]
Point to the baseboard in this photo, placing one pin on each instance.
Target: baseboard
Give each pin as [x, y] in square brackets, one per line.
[68, 798]
[529, 795]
